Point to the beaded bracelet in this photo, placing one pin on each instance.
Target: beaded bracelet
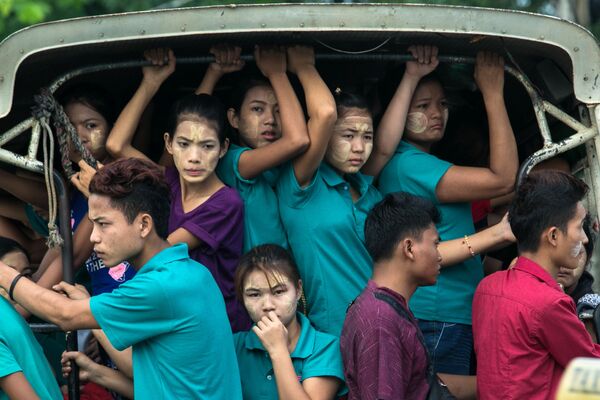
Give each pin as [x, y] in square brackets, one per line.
[466, 241]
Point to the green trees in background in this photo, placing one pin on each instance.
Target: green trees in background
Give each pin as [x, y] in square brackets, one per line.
[16, 14]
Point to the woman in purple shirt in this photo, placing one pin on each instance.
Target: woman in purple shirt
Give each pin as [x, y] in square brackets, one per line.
[205, 214]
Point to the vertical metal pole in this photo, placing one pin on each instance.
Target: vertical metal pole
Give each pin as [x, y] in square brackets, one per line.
[64, 218]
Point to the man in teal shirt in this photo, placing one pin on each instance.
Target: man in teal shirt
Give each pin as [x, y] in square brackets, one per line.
[171, 313]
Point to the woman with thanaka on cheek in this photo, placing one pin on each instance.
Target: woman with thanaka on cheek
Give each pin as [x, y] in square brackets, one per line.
[270, 127]
[205, 214]
[283, 356]
[419, 110]
[324, 199]
[90, 110]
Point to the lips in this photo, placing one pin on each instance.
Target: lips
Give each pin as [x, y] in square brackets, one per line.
[194, 172]
[355, 161]
[269, 135]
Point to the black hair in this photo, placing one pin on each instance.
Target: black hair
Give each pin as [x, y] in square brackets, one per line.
[92, 96]
[238, 94]
[195, 107]
[8, 245]
[270, 259]
[345, 101]
[135, 186]
[396, 217]
[544, 199]
[591, 235]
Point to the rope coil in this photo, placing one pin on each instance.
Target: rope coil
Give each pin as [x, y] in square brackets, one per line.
[46, 108]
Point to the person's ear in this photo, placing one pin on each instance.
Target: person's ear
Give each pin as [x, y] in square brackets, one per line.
[145, 225]
[407, 247]
[168, 143]
[233, 118]
[551, 236]
[224, 148]
[299, 290]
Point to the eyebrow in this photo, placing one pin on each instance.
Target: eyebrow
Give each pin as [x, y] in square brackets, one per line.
[190, 140]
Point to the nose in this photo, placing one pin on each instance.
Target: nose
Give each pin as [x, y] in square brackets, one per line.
[194, 154]
[269, 116]
[268, 304]
[358, 144]
[94, 236]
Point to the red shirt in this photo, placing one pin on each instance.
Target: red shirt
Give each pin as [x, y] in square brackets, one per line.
[525, 331]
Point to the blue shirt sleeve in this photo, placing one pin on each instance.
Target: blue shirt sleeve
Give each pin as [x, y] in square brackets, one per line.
[289, 191]
[8, 364]
[137, 310]
[228, 168]
[419, 173]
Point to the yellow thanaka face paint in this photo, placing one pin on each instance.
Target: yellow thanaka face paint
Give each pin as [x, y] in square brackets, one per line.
[195, 149]
[352, 142]
[97, 140]
[416, 122]
[273, 293]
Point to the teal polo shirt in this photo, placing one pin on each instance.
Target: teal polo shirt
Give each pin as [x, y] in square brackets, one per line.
[316, 354]
[325, 230]
[173, 314]
[20, 352]
[449, 300]
[262, 223]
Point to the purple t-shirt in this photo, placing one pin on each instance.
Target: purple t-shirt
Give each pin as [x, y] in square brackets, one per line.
[219, 224]
[383, 356]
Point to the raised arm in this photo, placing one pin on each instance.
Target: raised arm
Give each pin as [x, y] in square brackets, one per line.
[390, 130]
[69, 313]
[120, 138]
[272, 63]
[492, 238]
[227, 60]
[322, 113]
[466, 183]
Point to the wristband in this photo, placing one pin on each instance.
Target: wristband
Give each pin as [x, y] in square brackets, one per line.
[12, 286]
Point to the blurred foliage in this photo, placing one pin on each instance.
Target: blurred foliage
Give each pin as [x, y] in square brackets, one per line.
[16, 14]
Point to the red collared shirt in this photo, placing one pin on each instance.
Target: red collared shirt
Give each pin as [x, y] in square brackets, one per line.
[525, 331]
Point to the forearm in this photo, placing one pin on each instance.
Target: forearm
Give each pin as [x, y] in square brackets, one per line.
[504, 160]
[24, 189]
[288, 386]
[112, 380]
[121, 135]
[319, 100]
[457, 250]
[391, 127]
[122, 359]
[293, 125]
[66, 313]
[209, 82]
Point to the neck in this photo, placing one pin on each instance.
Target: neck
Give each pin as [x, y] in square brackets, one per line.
[424, 147]
[200, 189]
[293, 329]
[152, 247]
[393, 275]
[544, 261]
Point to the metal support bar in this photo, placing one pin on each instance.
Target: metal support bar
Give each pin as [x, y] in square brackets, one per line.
[15, 131]
[21, 161]
[34, 141]
[44, 328]
[553, 149]
[64, 221]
